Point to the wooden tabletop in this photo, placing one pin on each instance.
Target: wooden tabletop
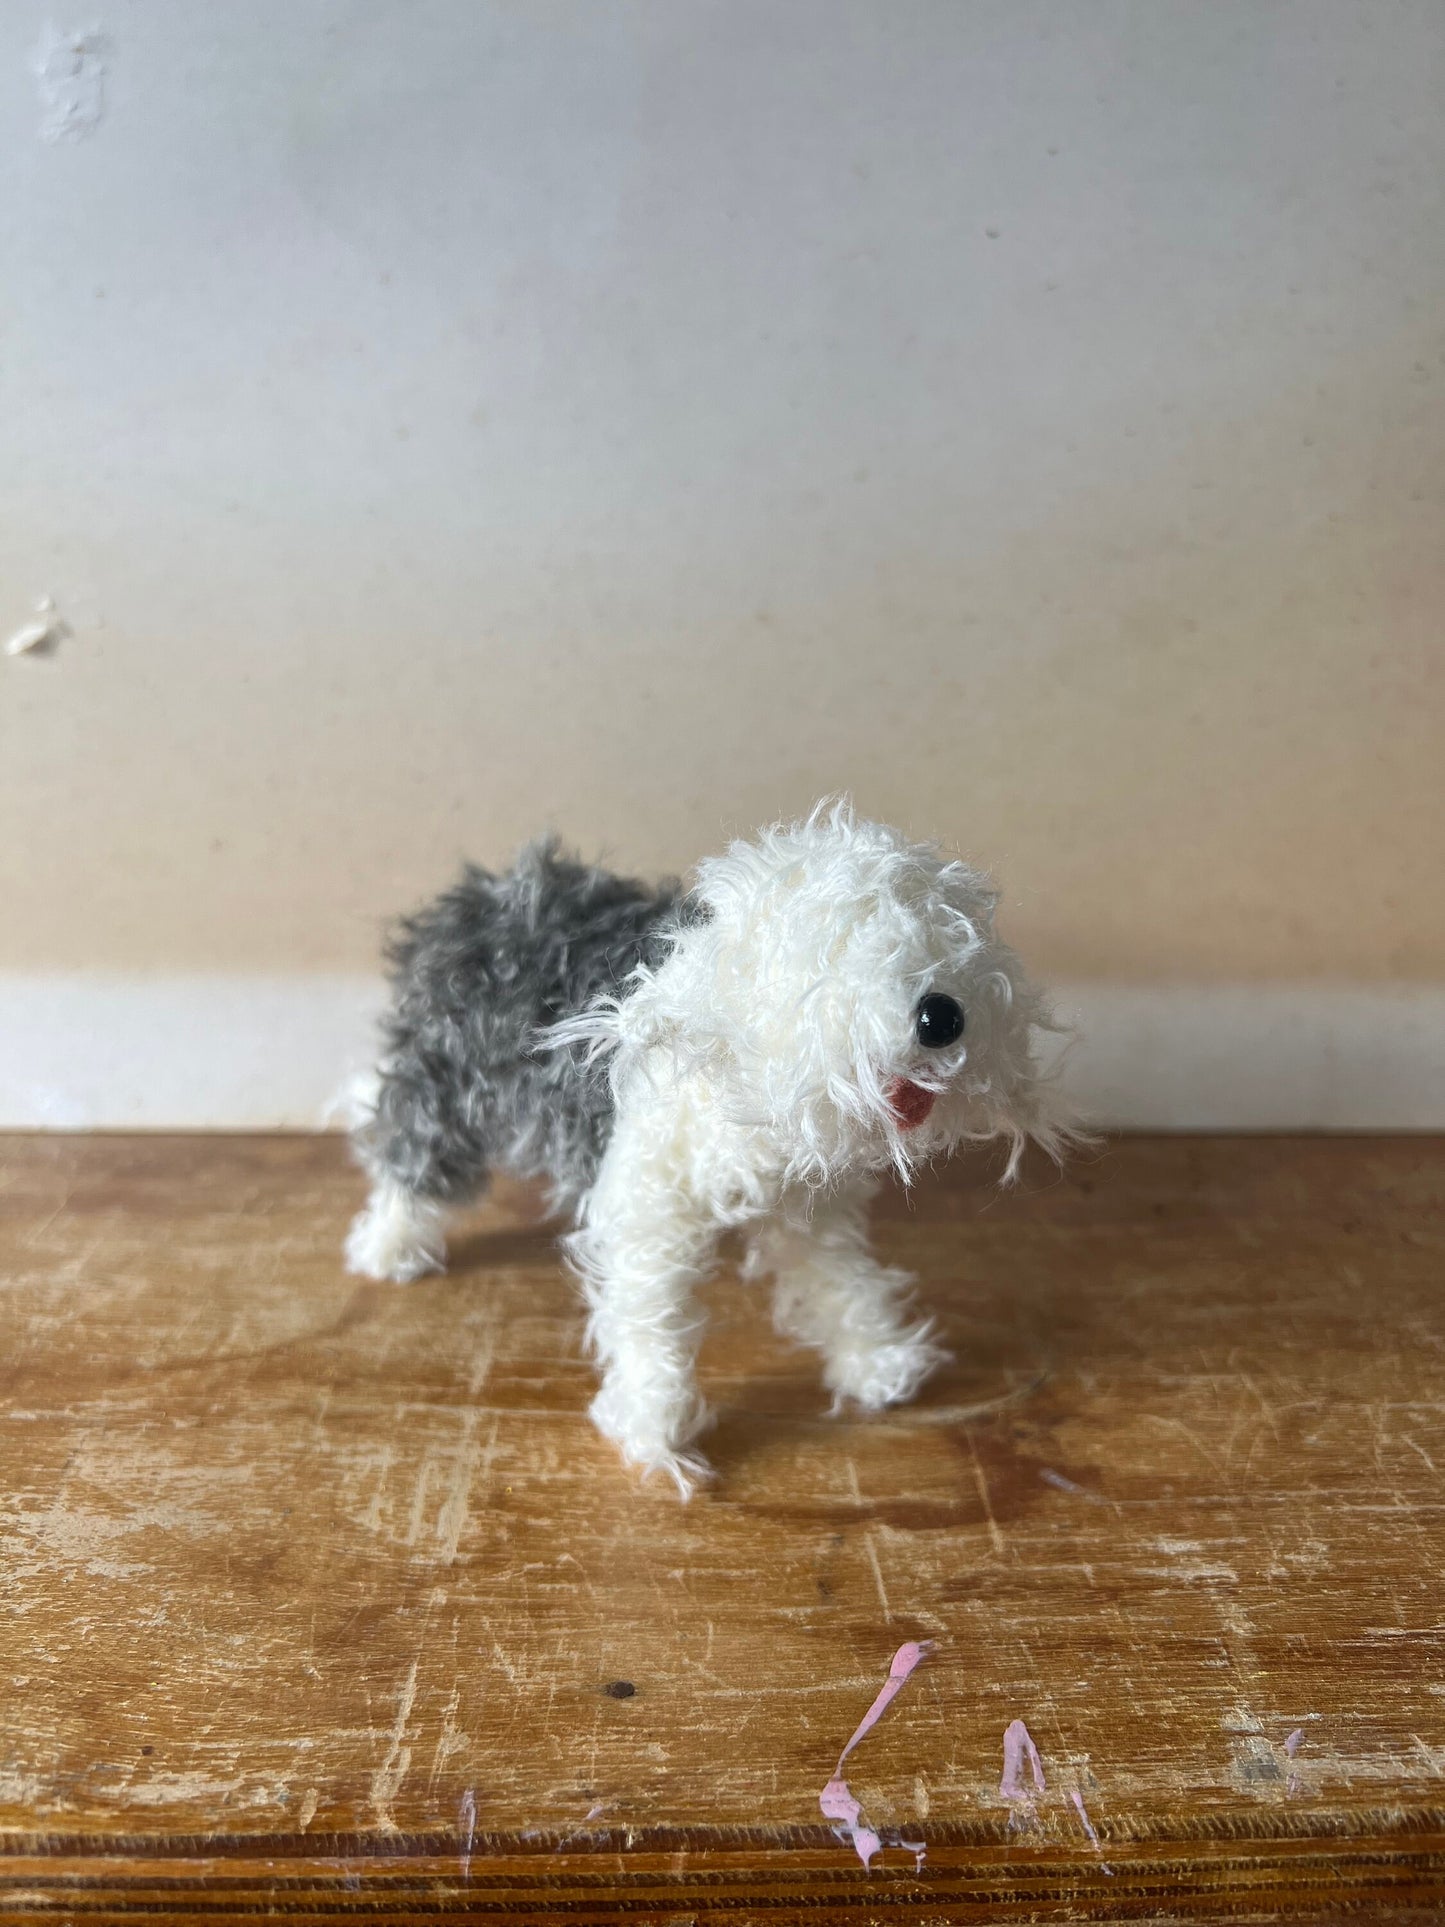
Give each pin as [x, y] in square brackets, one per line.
[320, 1596]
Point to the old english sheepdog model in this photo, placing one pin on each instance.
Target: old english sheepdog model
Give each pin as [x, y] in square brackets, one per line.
[824, 1002]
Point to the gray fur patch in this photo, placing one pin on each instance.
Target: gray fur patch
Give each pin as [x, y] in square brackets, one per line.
[475, 975]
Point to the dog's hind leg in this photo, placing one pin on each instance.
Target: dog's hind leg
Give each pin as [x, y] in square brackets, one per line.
[421, 1160]
[398, 1235]
[831, 1293]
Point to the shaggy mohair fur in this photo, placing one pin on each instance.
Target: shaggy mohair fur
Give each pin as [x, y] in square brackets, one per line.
[829, 1000]
[478, 978]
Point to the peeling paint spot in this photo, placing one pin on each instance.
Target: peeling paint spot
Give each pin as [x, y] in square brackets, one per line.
[170, 1789]
[1255, 1767]
[467, 1821]
[69, 69]
[76, 1535]
[387, 1780]
[44, 632]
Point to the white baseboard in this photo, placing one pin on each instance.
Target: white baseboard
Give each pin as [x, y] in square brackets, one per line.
[253, 1053]
[93, 1053]
[1278, 1057]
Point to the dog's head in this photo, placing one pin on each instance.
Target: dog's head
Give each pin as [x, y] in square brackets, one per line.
[841, 992]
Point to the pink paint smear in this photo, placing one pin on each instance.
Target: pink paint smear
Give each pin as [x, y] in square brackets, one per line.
[1292, 1746]
[1019, 1751]
[1094, 1841]
[836, 1800]
[1018, 1748]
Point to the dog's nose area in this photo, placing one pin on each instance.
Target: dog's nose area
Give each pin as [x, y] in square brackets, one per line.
[938, 1021]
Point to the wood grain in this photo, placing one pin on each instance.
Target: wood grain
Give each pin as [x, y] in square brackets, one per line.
[320, 1596]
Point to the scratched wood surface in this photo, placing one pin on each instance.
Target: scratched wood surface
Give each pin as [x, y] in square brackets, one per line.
[321, 1596]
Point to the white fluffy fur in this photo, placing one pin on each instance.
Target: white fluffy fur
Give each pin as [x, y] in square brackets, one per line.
[750, 1074]
[830, 1292]
[398, 1236]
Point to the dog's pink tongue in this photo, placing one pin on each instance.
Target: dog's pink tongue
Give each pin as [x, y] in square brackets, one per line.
[909, 1102]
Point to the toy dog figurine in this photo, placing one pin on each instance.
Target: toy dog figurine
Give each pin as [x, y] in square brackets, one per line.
[825, 1002]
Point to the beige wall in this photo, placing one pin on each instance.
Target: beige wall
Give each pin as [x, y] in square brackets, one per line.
[441, 419]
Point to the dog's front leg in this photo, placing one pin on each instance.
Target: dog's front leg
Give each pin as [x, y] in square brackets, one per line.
[830, 1292]
[642, 1248]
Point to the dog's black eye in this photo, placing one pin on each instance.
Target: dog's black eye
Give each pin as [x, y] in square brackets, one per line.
[939, 1021]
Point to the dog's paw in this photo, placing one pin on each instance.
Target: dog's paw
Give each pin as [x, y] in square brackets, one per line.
[687, 1470]
[884, 1374]
[655, 1440]
[396, 1237]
